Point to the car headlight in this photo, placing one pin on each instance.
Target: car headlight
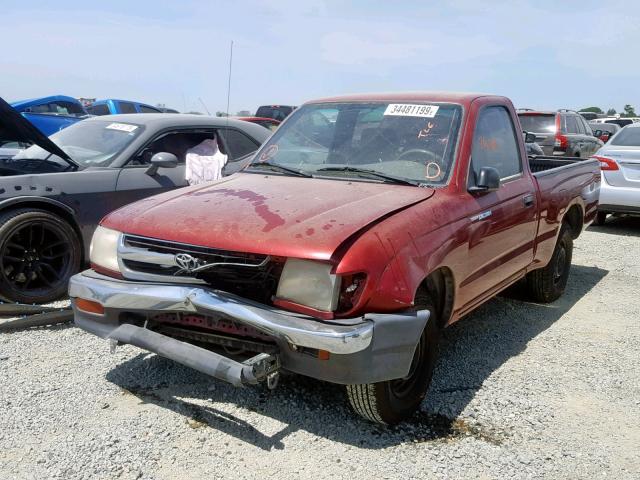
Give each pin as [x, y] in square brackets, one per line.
[309, 283]
[104, 248]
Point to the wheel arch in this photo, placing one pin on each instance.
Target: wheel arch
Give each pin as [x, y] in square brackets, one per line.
[440, 282]
[574, 218]
[47, 204]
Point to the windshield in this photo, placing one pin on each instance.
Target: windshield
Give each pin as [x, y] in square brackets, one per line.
[88, 143]
[276, 112]
[410, 141]
[538, 123]
[627, 137]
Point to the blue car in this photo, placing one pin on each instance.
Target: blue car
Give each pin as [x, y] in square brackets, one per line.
[51, 114]
[112, 106]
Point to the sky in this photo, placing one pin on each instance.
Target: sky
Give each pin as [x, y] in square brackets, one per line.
[541, 54]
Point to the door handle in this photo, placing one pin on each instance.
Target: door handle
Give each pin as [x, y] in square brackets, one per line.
[528, 200]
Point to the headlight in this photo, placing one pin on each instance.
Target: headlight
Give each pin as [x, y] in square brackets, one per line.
[104, 248]
[309, 283]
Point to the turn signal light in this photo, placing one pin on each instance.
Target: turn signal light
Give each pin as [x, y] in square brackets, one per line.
[607, 163]
[89, 306]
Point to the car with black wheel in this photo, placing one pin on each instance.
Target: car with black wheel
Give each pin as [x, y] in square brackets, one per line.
[54, 193]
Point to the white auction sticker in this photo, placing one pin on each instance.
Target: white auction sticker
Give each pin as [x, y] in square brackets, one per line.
[409, 110]
[123, 127]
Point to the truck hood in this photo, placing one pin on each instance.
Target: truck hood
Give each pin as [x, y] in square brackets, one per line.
[15, 127]
[267, 214]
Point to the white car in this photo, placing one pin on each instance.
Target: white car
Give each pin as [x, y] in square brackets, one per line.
[620, 165]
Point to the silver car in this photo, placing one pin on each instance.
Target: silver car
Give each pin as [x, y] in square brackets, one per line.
[620, 164]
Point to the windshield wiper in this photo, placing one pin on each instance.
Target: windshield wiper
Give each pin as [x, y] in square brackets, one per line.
[275, 166]
[372, 173]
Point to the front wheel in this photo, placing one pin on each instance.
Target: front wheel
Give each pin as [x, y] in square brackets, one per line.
[39, 251]
[547, 284]
[392, 401]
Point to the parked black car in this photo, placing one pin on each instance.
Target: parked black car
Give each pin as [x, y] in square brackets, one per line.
[55, 192]
[563, 133]
[277, 112]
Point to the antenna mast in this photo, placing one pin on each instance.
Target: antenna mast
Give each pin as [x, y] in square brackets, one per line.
[229, 83]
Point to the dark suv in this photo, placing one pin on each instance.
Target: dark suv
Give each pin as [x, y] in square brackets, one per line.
[563, 133]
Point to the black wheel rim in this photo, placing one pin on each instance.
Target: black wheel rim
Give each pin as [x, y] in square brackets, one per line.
[404, 387]
[560, 266]
[36, 258]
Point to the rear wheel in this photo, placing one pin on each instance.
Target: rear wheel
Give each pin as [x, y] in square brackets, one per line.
[547, 284]
[392, 401]
[601, 218]
[39, 251]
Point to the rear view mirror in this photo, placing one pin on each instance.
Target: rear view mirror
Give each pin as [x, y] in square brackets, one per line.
[488, 180]
[529, 137]
[162, 159]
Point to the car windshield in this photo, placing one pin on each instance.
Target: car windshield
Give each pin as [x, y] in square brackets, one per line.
[538, 123]
[89, 143]
[627, 137]
[414, 142]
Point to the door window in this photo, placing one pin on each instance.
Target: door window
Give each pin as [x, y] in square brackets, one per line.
[238, 144]
[146, 109]
[571, 125]
[177, 143]
[127, 107]
[495, 144]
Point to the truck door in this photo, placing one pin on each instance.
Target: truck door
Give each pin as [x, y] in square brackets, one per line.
[502, 224]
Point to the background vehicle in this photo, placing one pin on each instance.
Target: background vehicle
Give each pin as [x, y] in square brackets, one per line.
[51, 114]
[604, 131]
[621, 122]
[360, 239]
[269, 123]
[620, 165]
[113, 106]
[277, 112]
[563, 133]
[168, 110]
[588, 115]
[53, 194]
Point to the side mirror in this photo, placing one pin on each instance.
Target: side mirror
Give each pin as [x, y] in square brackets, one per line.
[161, 159]
[529, 137]
[488, 181]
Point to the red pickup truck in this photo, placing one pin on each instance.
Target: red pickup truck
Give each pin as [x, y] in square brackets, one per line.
[363, 226]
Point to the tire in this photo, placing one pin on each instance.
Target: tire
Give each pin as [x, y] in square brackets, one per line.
[39, 252]
[601, 218]
[392, 401]
[548, 284]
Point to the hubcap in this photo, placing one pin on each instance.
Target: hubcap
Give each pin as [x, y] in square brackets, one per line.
[35, 257]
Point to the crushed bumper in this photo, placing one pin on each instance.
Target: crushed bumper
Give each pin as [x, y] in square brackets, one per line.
[371, 348]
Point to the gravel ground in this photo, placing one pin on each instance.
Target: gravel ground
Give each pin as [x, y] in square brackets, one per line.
[521, 391]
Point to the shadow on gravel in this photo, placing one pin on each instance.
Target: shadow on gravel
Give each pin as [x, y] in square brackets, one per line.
[619, 225]
[471, 351]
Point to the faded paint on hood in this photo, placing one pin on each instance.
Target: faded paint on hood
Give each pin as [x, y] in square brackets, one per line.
[268, 214]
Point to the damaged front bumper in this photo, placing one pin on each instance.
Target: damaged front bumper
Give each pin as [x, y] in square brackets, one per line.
[367, 349]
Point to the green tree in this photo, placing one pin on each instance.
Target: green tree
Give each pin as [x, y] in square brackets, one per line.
[611, 111]
[629, 111]
[592, 109]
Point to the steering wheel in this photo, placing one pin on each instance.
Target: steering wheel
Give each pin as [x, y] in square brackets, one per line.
[428, 153]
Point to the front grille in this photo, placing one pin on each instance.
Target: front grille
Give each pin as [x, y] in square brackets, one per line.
[249, 275]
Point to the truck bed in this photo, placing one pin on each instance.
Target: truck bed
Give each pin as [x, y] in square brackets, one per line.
[542, 165]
